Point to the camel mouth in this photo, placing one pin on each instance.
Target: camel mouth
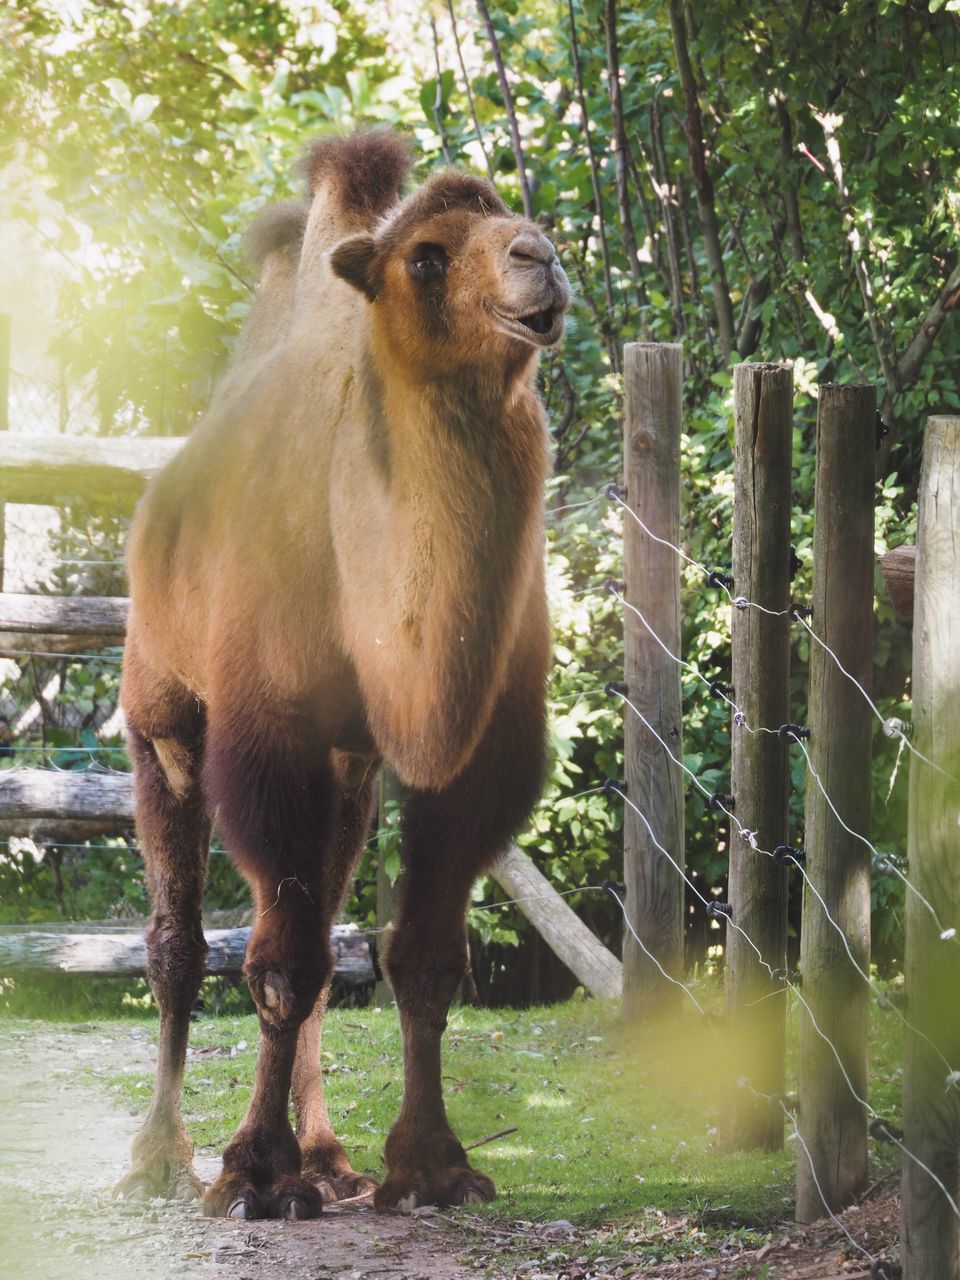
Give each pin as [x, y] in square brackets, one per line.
[543, 327]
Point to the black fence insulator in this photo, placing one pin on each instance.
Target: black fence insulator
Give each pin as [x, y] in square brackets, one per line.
[615, 786]
[884, 1131]
[718, 579]
[719, 802]
[796, 564]
[616, 888]
[616, 686]
[720, 689]
[785, 854]
[719, 910]
[883, 1269]
[614, 586]
[793, 733]
[616, 492]
[798, 611]
[882, 430]
[790, 976]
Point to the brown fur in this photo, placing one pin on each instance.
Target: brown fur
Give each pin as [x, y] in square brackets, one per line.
[344, 564]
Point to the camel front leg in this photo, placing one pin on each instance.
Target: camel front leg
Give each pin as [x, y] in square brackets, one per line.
[450, 837]
[426, 1164]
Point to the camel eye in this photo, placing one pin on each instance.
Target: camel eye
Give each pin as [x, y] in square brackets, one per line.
[428, 263]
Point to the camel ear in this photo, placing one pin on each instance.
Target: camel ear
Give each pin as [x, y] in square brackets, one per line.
[353, 260]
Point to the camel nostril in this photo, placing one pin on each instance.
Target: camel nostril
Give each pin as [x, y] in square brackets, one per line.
[532, 251]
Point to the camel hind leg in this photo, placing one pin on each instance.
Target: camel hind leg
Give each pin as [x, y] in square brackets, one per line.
[325, 1162]
[165, 740]
[269, 774]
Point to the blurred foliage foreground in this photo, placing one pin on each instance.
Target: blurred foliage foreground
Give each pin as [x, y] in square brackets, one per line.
[774, 184]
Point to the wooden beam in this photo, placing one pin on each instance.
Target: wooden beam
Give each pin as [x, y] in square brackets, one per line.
[93, 616]
[121, 951]
[73, 795]
[51, 469]
[930, 1233]
[653, 381]
[756, 1003]
[833, 1053]
[560, 927]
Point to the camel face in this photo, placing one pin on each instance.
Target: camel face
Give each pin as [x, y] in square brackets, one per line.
[457, 280]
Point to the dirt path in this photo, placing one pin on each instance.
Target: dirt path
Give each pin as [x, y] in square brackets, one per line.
[64, 1142]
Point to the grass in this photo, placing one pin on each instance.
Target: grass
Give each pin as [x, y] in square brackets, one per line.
[617, 1126]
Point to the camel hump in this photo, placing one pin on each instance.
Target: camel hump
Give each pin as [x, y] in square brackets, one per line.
[362, 173]
[278, 229]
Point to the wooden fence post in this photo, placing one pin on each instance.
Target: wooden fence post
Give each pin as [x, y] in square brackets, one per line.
[653, 378]
[931, 1103]
[832, 1124]
[760, 773]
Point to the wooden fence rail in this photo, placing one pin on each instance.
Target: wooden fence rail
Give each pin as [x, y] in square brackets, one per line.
[121, 952]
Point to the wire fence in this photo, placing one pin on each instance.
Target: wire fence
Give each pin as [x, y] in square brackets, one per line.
[83, 555]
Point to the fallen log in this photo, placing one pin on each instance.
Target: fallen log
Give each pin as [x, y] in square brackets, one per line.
[119, 950]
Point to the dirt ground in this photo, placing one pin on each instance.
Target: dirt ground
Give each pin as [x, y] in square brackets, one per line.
[64, 1141]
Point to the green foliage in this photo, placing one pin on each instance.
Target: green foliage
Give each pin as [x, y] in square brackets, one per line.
[141, 140]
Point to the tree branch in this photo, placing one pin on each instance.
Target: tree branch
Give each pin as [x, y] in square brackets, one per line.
[621, 149]
[438, 98]
[510, 109]
[878, 332]
[594, 176]
[703, 184]
[466, 85]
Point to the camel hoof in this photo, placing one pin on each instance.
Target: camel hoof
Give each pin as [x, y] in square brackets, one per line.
[296, 1210]
[474, 1197]
[241, 1208]
[407, 1203]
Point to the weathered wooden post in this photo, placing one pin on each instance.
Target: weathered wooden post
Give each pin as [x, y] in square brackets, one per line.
[930, 1234]
[832, 1124]
[653, 378]
[760, 774]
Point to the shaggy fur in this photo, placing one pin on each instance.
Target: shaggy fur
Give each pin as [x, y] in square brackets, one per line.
[345, 564]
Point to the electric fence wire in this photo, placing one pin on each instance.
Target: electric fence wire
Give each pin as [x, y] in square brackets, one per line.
[891, 726]
[791, 858]
[788, 985]
[884, 861]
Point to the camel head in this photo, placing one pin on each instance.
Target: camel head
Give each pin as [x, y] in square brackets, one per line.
[457, 281]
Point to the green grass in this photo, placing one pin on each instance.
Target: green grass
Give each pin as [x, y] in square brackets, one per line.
[610, 1122]
[615, 1125]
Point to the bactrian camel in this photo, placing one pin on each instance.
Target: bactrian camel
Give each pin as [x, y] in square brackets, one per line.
[343, 566]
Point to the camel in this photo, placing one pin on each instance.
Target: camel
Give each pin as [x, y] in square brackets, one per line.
[343, 566]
